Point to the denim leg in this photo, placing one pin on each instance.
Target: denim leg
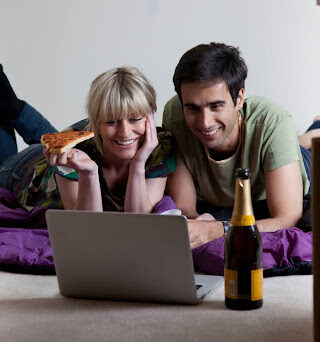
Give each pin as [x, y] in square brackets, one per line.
[30, 125]
[16, 170]
[8, 145]
[306, 156]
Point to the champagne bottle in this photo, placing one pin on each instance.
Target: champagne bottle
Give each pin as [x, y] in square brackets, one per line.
[243, 270]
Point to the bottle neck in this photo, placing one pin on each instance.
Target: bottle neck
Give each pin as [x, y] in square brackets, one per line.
[242, 214]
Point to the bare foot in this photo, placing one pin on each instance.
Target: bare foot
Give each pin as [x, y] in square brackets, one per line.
[305, 139]
[316, 118]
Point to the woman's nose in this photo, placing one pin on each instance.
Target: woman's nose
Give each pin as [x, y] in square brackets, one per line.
[123, 128]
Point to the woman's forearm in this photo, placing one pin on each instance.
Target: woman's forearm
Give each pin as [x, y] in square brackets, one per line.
[89, 194]
[136, 198]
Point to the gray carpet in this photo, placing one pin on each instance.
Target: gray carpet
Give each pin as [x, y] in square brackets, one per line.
[31, 309]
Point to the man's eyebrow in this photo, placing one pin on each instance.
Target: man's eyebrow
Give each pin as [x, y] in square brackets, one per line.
[190, 105]
[213, 103]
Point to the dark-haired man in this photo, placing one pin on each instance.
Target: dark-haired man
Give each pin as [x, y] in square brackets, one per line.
[216, 131]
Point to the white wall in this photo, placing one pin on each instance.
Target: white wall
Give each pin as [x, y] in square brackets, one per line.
[52, 50]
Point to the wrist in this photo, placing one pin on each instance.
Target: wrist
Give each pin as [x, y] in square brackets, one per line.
[216, 230]
[89, 174]
[137, 167]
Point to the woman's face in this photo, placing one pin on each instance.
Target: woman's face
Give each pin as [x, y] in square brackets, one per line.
[121, 139]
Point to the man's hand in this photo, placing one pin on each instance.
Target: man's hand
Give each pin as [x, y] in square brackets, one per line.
[205, 217]
[204, 229]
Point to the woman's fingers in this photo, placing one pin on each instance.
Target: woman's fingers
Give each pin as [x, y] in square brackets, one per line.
[153, 131]
[148, 134]
[62, 159]
[46, 152]
[150, 140]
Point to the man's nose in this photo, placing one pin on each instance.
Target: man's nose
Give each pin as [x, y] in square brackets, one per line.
[206, 119]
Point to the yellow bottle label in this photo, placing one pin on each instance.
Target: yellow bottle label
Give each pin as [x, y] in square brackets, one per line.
[231, 283]
[242, 220]
[257, 284]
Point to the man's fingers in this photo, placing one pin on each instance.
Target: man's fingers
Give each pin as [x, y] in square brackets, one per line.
[205, 217]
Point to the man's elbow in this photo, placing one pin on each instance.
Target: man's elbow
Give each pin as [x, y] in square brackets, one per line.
[290, 220]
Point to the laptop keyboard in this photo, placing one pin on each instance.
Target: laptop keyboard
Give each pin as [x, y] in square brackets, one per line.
[198, 286]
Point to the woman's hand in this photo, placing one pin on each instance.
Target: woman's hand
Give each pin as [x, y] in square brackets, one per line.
[149, 144]
[73, 158]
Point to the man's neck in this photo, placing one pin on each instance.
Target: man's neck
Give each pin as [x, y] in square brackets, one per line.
[217, 156]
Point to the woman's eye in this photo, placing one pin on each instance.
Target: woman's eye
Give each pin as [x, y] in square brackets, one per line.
[111, 123]
[135, 119]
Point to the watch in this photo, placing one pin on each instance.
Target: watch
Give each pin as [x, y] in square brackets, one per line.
[225, 226]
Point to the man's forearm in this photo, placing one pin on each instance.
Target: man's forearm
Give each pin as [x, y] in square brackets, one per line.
[274, 224]
[190, 213]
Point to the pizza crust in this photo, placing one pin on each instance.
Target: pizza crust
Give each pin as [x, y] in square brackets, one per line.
[63, 141]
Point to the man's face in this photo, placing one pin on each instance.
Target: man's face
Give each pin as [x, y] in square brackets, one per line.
[211, 114]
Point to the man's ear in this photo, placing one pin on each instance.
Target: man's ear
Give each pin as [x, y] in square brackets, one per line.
[240, 99]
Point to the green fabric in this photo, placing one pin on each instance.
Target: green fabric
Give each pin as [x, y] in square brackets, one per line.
[43, 189]
[268, 141]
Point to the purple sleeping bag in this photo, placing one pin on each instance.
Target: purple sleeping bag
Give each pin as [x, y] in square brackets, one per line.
[287, 251]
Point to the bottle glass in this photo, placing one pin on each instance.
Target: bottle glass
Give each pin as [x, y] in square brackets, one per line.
[243, 269]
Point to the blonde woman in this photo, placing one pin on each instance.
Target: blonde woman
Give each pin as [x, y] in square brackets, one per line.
[123, 168]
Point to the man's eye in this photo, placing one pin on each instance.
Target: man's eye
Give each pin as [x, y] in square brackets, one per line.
[192, 109]
[216, 106]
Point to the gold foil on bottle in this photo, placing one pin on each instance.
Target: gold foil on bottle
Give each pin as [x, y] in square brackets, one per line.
[242, 214]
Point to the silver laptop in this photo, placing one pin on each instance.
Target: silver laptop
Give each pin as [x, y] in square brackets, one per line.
[125, 256]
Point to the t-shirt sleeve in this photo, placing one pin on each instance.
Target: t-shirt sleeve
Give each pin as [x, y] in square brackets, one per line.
[172, 120]
[280, 146]
[65, 172]
[162, 161]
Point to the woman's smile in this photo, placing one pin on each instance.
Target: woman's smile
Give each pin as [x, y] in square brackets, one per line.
[126, 143]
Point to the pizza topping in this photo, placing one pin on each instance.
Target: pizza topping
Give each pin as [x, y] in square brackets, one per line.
[63, 141]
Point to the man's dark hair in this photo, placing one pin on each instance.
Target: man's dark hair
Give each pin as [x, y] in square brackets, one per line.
[214, 62]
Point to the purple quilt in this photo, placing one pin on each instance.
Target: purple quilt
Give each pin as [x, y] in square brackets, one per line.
[287, 251]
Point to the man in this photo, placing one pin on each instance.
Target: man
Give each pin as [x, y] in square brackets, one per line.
[216, 131]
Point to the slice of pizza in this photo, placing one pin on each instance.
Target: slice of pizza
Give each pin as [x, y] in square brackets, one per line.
[62, 141]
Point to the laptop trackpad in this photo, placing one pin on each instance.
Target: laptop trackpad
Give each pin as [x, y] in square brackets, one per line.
[207, 283]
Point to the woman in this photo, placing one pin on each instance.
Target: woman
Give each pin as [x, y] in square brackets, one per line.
[123, 168]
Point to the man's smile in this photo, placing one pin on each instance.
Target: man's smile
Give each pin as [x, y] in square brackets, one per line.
[209, 133]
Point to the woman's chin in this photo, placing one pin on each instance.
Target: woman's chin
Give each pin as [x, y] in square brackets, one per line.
[127, 154]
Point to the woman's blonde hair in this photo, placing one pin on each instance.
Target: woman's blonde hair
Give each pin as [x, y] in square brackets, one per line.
[118, 94]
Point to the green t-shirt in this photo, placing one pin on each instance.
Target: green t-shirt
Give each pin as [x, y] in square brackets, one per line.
[268, 141]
